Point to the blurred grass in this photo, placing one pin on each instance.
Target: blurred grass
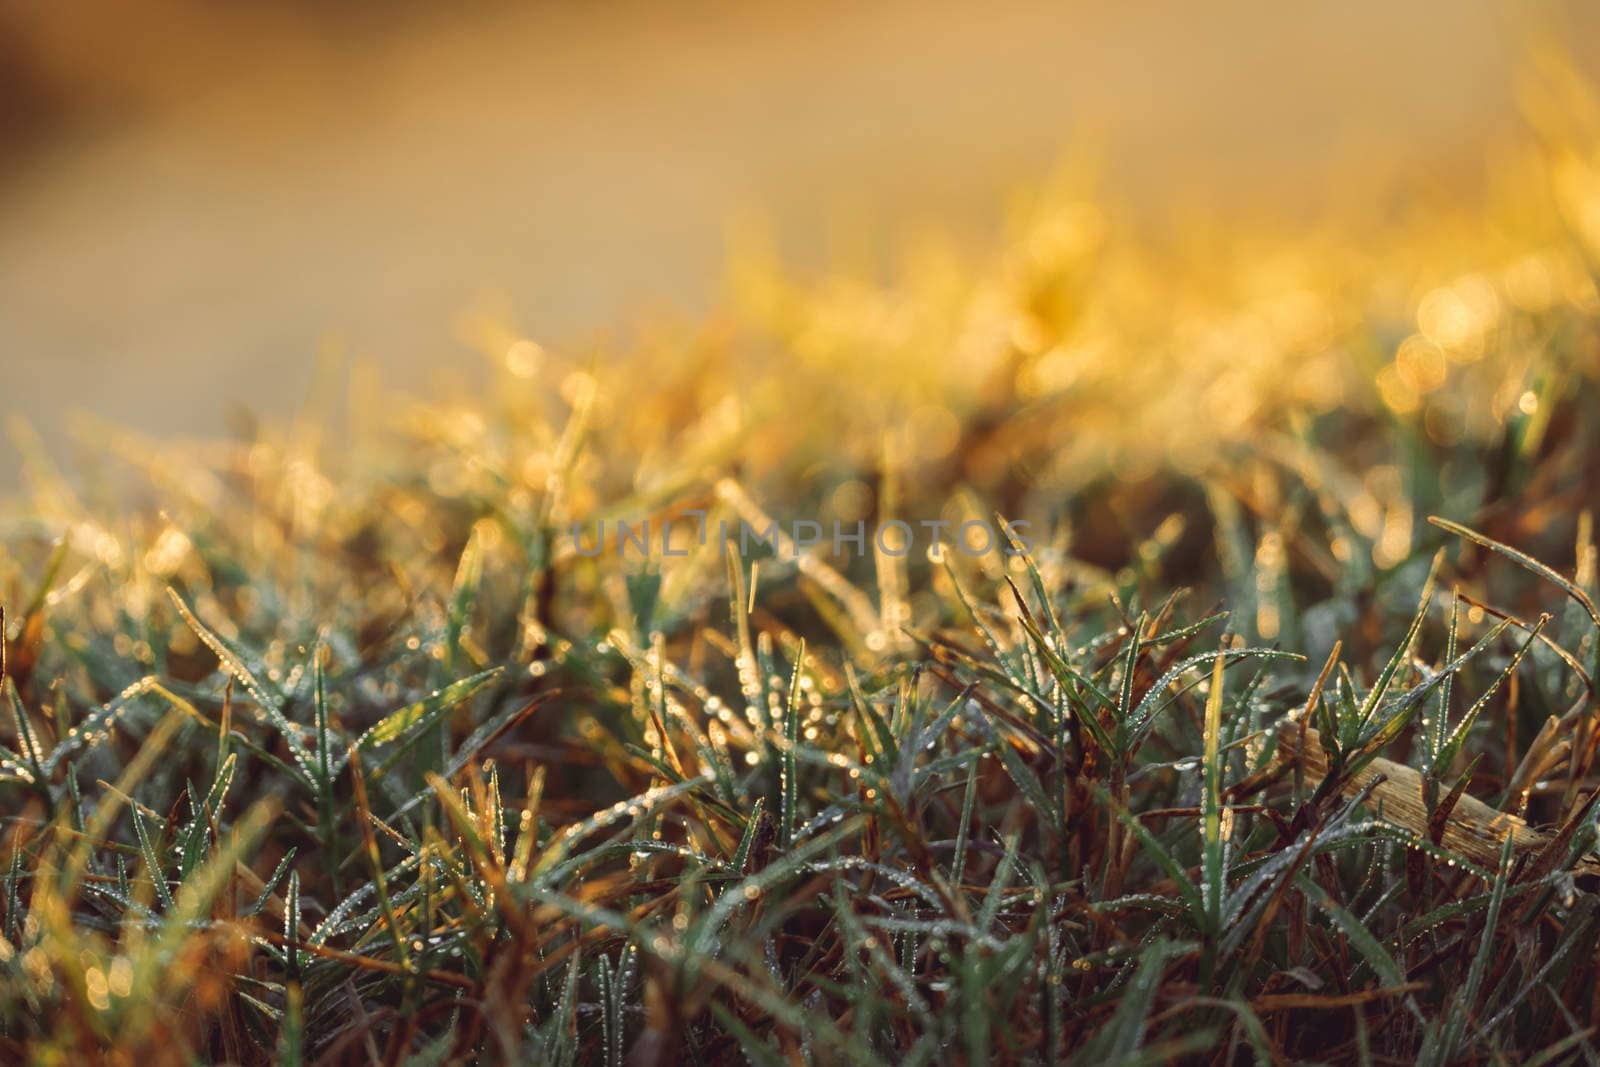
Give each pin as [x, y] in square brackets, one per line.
[344, 749]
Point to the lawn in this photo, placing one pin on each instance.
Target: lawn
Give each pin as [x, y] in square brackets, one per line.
[1097, 649]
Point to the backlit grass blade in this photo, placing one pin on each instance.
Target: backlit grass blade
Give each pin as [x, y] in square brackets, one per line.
[1212, 872]
[1527, 562]
[152, 862]
[1402, 651]
[790, 783]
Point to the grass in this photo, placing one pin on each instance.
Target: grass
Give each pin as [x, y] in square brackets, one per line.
[344, 749]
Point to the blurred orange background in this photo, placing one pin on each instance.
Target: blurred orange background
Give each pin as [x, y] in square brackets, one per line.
[197, 198]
